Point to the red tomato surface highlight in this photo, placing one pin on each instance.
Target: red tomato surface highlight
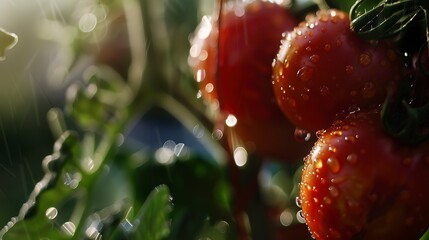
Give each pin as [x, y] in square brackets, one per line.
[323, 70]
[233, 67]
[359, 183]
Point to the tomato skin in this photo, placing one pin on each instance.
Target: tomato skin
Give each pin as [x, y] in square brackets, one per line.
[235, 74]
[359, 183]
[323, 69]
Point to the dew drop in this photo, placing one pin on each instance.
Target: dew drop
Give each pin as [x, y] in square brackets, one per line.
[240, 156]
[365, 59]
[333, 191]
[327, 47]
[350, 139]
[209, 87]
[126, 225]
[320, 133]
[308, 49]
[231, 121]
[93, 233]
[327, 200]
[319, 163]
[300, 216]
[305, 73]
[333, 164]
[302, 135]
[68, 228]
[51, 213]
[298, 202]
[198, 131]
[352, 158]
[315, 58]
[217, 134]
[200, 75]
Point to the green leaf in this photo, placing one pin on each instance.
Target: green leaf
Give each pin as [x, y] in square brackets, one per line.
[152, 221]
[69, 203]
[7, 41]
[425, 236]
[374, 20]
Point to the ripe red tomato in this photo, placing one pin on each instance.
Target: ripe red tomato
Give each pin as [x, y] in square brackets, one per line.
[359, 183]
[234, 69]
[323, 70]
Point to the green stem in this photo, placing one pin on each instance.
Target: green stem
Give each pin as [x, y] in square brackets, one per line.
[136, 35]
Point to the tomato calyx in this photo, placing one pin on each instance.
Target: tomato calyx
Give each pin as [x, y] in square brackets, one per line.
[402, 117]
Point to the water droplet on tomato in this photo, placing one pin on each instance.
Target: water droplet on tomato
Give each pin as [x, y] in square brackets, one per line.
[333, 164]
[324, 90]
[305, 73]
[209, 87]
[327, 200]
[365, 59]
[352, 158]
[350, 138]
[333, 191]
[200, 75]
[319, 163]
[308, 49]
[300, 216]
[350, 69]
[315, 58]
[302, 135]
[368, 90]
[298, 202]
[327, 47]
[320, 133]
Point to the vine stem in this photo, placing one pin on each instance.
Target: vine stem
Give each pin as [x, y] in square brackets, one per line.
[321, 4]
[137, 41]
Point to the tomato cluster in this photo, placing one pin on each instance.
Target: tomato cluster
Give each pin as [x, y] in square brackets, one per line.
[232, 65]
[277, 77]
